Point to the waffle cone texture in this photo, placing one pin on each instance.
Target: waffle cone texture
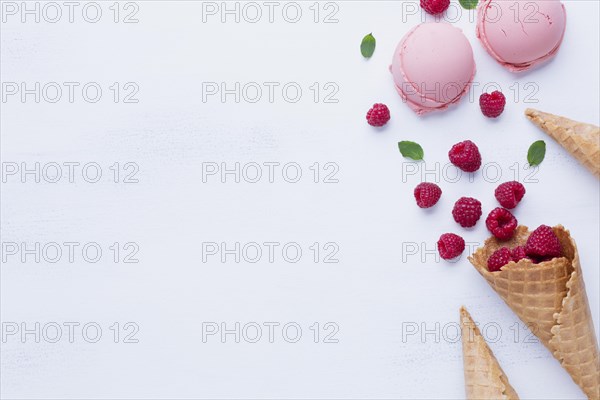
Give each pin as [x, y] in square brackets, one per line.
[484, 378]
[578, 138]
[550, 298]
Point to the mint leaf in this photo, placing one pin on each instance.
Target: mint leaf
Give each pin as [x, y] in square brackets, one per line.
[536, 153]
[367, 46]
[468, 4]
[411, 150]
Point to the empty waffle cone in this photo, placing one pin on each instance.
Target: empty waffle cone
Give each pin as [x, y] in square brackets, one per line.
[580, 139]
[484, 378]
[550, 298]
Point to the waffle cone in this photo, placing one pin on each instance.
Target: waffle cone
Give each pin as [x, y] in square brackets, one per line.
[484, 378]
[550, 298]
[580, 139]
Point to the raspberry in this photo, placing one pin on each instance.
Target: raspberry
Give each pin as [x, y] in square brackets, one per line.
[499, 259]
[467, 211]
[509, 194]
[378, 115]
[543, 244]
[427, 194]
[465, 155]
[492, 104]
[501, 223]
[450, 246]
[518, 253]
[539, 260]
[434, 7]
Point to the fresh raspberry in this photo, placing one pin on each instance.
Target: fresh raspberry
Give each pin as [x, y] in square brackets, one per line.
[492, 104]
[539, 260]
[543, 244]
[378, 115]
[509, 194]
[467, 211]
[427, 194]
[450, 246]
[434, 7]
[499, 259]
[501, 223]
[465, 155]
[518, 253]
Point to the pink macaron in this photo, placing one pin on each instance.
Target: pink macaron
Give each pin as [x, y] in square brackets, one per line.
[433, 67]
[521, 35]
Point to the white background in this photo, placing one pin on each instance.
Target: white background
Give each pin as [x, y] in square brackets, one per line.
[374, 290]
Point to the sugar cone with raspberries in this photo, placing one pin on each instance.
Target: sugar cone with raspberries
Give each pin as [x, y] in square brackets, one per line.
[484, 378]
[551, 298]
[578, 138]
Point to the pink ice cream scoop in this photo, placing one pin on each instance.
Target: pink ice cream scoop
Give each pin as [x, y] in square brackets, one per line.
[433, 67]
[521, 34]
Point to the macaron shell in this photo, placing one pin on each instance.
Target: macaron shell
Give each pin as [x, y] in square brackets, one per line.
[521, 34]
[433, 66]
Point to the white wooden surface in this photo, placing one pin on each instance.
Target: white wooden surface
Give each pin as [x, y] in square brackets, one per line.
[376, 290]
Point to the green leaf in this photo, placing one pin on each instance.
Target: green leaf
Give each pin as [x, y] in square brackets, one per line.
[367, 46]
[468, 4]
[536, 153]
[411, 150]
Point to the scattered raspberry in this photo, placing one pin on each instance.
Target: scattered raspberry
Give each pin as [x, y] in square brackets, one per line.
[492, 104]
[501, 223]
[509, 194]
[450, 246]
[499, 259]
[518, 253]
[543, 244]
[378, 115]
[465, 155]
[467, 211]
[427, 194]
[434, 7]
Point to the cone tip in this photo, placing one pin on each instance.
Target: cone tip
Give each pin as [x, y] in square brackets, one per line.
[465, 316]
